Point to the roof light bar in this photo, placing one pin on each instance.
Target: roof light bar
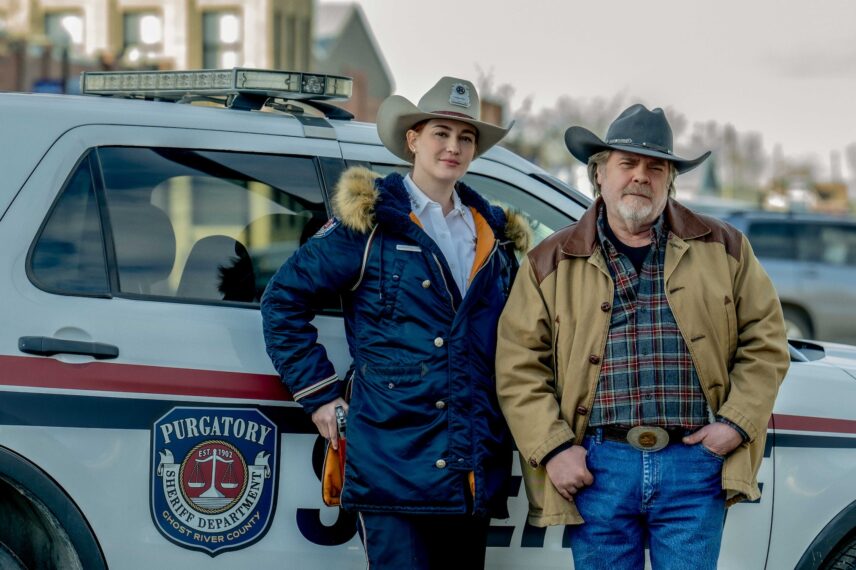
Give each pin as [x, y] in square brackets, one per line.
[174, 85]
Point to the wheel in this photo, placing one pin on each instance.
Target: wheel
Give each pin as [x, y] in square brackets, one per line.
[797, 324]
[844, 557]
[8, 560]
[40, 526]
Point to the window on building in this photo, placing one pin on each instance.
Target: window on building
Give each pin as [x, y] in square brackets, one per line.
[221, 39]
[143, 35]
[65, 28]
[286, 42]
[278, 56]
[291, 41]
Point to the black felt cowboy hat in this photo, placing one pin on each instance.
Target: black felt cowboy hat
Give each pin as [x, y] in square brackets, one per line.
[636, 130]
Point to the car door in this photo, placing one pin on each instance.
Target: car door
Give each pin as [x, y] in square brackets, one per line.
[826, 269]
[135, 257]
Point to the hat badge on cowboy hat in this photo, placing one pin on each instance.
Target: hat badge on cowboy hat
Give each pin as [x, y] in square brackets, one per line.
[636, 130]
[450, 98]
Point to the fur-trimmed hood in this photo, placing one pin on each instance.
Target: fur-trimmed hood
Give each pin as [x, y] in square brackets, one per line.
[363, 199]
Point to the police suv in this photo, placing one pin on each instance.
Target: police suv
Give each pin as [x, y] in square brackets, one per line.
[141, 422]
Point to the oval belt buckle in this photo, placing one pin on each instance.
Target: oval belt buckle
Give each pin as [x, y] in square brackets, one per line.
[648, 438]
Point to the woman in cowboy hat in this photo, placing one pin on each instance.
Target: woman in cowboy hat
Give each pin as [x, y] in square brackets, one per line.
[423, 265]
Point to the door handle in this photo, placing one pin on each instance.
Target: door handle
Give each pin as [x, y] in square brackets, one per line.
[46, 346]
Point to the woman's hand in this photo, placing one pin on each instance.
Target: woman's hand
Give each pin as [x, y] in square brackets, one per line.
[324, 419]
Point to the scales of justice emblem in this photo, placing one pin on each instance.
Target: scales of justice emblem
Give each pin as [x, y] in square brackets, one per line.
[206, 495]
[209, 489]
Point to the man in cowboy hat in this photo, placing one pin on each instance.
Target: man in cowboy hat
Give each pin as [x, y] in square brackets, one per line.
[639, 356]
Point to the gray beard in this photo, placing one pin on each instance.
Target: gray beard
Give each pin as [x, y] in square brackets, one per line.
[635, 214]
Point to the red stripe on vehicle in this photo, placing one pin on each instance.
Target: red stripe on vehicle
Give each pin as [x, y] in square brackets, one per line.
[809, 423]
[135, 378]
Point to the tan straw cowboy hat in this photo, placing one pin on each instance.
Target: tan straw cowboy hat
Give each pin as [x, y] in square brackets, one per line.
[450, 98]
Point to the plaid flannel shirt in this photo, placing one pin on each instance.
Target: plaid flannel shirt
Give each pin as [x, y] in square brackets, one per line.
[647, 376]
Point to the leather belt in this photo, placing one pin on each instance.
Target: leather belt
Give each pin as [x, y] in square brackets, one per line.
[643, 438]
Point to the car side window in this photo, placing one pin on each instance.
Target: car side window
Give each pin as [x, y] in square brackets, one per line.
[197, 225]
[206, 225]
[828, 243]
[543, 219]
[772, 240]
[843, 245]
[69, 256]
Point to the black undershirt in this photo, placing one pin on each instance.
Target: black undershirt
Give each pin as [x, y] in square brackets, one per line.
[636, 255]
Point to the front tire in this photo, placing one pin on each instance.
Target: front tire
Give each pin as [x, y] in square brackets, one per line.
[8, 559]
[797, 323]
[40, 525]
[844, 558]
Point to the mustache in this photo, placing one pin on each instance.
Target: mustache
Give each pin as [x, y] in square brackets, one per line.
[639, 189]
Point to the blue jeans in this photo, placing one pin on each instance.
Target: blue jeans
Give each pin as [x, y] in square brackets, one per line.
[670, 500]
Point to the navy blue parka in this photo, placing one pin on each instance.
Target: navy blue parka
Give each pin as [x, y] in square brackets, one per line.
[424, 426]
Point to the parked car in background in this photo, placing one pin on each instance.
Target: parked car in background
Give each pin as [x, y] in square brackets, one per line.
[811, 259]
[143, 426]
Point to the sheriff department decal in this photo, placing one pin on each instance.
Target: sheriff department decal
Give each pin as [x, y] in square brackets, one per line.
[214, 473]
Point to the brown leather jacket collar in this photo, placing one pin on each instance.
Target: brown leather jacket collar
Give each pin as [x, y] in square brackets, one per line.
[582, 236]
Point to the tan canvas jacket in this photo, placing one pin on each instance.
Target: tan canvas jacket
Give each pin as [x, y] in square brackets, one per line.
[553, 331]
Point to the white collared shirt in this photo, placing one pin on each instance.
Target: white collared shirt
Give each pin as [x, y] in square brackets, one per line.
[454, 234]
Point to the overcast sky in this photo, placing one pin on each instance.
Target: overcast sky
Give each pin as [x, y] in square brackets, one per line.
[783, 68]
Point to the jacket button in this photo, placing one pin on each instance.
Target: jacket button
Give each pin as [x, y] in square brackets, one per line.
[440, 464]
[605, 307]
[594, 359]
[438, 342]
[582, 410]
[390, 385]
[426, 284]
[396, 277]
[440, 404]
[533, 463]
